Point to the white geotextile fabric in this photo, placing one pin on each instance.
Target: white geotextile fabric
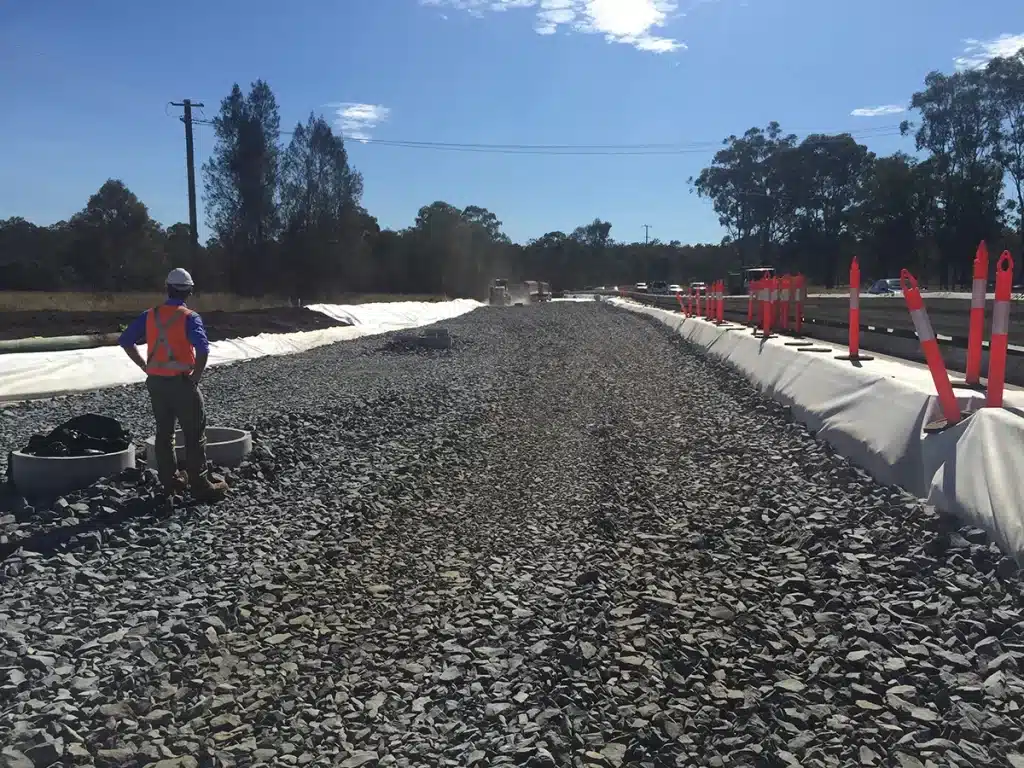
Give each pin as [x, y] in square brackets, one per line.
[874, 416]
[42, 374]
[396, 315]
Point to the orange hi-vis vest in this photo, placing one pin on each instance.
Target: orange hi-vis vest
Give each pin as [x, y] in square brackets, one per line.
[170, 353]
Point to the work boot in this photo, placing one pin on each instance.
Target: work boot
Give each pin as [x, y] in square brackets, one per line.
[206, 490]
[176, 483]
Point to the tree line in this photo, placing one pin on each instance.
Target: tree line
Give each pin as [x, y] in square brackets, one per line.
[811, 205]
[287, 218]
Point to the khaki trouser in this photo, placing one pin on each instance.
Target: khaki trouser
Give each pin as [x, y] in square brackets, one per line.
[177, 399]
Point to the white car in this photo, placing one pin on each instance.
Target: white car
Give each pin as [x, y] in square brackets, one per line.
[675, 288]
[699, 287]
[640, 287]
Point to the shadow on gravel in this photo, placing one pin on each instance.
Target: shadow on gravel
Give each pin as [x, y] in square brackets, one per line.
[89, 518]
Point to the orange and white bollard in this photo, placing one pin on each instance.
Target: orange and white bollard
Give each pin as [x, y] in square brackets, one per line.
[1000, 332]
[801, 297]
[785, 301]
[751, 291]
[721, 302]
[769, 306]
[759, 288]
[853, 351]
[932, 355]
[976, 334]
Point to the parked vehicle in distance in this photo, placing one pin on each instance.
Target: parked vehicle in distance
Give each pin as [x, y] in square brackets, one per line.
[640, 287]
[699, 287]
[887, 286]
[675, 288]
[659, 287]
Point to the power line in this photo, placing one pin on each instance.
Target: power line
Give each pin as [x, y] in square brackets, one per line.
[678, 148]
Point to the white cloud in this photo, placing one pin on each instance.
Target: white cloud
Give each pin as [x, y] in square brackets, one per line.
[978, 53]
[356, 121]
[632, 22]
[885, 109]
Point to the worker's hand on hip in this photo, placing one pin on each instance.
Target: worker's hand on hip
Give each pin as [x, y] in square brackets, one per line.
[194, 378]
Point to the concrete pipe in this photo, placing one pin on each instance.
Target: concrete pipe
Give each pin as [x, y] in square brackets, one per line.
[225, 446]
[49, 476]
[58, 343]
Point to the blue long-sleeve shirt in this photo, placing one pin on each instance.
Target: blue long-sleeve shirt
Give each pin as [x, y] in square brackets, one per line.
[135, 333]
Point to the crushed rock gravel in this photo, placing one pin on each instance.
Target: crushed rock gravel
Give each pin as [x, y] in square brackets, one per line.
[569, 540]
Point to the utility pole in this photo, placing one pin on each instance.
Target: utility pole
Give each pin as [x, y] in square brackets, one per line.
[647, 232]
[190, 162]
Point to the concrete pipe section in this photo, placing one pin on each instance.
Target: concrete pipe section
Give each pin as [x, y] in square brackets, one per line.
[50, 476]
[225, 446]
[58, 343]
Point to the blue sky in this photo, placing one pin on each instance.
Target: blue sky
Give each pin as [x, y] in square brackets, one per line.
[86, 86]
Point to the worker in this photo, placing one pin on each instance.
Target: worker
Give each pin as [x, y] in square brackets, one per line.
[177, 351]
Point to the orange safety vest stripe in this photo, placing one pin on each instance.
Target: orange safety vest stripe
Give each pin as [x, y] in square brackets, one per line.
[170, 353]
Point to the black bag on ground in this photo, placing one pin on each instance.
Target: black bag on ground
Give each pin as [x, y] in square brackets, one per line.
[86, 435]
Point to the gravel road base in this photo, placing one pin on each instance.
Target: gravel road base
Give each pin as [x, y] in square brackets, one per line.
[571, 540]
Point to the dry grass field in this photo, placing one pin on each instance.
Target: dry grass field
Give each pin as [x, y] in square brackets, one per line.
[39, 301]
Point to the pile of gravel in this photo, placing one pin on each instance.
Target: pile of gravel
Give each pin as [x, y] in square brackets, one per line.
[568, 540]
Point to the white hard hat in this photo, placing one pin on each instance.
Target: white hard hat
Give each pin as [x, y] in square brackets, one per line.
[179, 278]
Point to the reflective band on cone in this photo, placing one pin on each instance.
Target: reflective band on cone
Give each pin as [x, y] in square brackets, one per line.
[930, 348]
[1000, 332]
[922, 326]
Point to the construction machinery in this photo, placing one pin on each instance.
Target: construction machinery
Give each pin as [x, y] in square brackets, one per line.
[499, 295]
[502, 293]
[738, 283]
